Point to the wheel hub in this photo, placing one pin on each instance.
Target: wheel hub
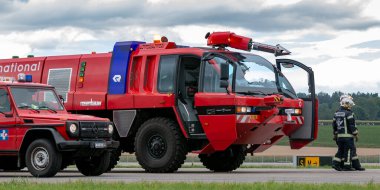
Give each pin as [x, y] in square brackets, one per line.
[40, 158]
[157, 146]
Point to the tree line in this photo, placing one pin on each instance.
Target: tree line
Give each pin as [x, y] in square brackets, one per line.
[367, 105]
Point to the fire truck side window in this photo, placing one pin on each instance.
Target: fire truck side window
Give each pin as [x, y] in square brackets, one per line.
[166, 73]
[5, 105]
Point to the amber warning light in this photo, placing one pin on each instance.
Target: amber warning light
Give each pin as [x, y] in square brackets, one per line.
[221, 40]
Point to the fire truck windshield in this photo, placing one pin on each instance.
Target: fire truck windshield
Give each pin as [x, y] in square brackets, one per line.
[36, 99]
[257, 76]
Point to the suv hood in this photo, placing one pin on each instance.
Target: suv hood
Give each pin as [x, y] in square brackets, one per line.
[62, 117]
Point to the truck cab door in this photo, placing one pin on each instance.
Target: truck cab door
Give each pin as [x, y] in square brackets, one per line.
[302, 79]
[8, 130]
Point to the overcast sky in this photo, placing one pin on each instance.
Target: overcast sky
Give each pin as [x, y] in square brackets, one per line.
[340, 40]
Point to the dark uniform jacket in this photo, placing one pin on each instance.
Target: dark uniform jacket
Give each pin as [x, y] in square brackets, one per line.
[344, 123]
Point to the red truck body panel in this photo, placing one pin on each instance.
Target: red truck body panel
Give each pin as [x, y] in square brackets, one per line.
[92, 94]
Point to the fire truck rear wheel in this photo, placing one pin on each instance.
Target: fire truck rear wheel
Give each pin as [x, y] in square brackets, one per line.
[94, 165]
[43, 159]
[224, 161]
[160, 146]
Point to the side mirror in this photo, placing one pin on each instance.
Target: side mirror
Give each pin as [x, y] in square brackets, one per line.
[224, 84]
[287, 65]
[224, 75]
[224, 71]
[61, 98]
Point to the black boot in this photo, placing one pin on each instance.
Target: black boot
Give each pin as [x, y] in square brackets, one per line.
[336, 165]
[356, 165]
[348, 168]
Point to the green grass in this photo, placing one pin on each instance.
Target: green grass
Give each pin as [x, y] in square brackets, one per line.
[369, 137]
[81, 185]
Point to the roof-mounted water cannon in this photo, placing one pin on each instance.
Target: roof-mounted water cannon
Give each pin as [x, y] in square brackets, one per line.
[221, 40]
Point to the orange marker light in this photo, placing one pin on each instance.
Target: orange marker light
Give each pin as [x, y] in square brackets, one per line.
[156, 39]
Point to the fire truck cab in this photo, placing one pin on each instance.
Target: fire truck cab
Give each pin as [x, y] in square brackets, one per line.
[167, 100]
[36, 131]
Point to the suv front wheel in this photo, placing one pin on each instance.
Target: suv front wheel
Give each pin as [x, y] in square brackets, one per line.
[42, 158]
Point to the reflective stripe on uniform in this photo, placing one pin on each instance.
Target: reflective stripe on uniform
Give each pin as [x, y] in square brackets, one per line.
[345, 135]
[350, 117]
[345, 126]
[337, 159]
[347, 163]
[355, 158]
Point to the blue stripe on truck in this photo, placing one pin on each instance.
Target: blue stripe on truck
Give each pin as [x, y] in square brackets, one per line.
[119, 66]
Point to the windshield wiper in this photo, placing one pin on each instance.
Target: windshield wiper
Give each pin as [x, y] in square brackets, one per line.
[276, 93]
[48, 108]
[29, 107]
[256, 92]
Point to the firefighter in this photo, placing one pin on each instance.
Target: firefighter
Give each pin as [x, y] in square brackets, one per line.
[345, 132]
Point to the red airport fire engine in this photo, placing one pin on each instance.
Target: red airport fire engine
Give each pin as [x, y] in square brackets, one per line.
[167, 100]
[37, 132]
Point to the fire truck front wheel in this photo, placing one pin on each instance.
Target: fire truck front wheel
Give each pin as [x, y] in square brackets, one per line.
[42, 158]
[160, 146]
[93, 165]
[224, 161]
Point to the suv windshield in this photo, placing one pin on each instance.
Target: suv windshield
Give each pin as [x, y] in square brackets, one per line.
[256, 75]
[36, 98]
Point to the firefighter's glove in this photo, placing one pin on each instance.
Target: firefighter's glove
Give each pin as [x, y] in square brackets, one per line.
[356, 138]
[335, 137]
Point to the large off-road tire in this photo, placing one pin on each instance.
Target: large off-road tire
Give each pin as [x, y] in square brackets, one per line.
[160, 146]
[115, 157]
[93, 165]
[42, 158]
[224, 161]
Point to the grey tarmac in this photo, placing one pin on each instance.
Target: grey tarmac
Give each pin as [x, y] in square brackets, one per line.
[242, 175]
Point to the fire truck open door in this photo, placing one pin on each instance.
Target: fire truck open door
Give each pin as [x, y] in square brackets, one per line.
[298, 73]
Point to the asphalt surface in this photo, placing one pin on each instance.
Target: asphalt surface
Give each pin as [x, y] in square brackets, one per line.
[202, 175]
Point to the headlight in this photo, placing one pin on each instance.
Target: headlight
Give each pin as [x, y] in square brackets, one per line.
[298, 111]
[73, 128]
[110, 128]
[244, 109]
[293, 111]
[289, 111]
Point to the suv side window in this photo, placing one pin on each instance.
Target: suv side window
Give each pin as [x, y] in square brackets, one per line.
[5, 105]
[167, 73]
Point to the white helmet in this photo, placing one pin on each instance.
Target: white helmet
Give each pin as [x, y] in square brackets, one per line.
[346, 101]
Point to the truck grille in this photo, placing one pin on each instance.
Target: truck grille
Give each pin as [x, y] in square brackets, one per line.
[94, 129]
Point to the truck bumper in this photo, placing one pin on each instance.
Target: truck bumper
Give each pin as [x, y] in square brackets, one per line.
[88, 145]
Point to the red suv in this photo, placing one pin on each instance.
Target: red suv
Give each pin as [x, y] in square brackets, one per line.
[36, 131]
